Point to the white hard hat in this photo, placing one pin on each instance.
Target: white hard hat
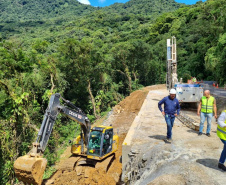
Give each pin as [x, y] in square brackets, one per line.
[173, 91]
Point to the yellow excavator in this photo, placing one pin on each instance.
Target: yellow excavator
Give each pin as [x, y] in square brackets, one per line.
[94, 147]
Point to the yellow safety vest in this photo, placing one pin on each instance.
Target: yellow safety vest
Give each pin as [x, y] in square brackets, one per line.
[221, 132]
[207, 104]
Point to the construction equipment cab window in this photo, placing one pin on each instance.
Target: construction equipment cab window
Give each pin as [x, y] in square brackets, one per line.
[100, 143]
[95, 142]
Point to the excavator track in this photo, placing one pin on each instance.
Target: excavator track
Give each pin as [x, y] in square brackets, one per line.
[104, 165]
[84, 166]
[69, 163]
[73, 162]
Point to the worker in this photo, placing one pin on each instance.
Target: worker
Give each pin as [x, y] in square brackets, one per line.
[171, 110]
[221, 133]
[207, 106]
[194, 80]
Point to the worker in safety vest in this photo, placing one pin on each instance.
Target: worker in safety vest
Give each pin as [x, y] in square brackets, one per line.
[221, 133]
[207, 106]
[194, 80]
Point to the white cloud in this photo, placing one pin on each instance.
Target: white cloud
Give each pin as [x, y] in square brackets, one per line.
[101, 1]
[84, 1]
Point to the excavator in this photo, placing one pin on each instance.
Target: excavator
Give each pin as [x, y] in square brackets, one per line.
[94, 147]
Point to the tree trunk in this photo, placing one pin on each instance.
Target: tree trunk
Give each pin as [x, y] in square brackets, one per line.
[92, 99]
[126, 73]
[129, 77]
[135, 76]
[53, 86]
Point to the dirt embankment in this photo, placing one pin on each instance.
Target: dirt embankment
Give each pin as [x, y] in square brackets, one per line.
[121, 119]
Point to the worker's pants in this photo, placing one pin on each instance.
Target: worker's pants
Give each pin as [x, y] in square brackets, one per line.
[203, 117]
[223, 153]
[169, 121]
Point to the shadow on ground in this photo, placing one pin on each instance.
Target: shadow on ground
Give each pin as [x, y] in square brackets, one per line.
[193, 131]
[210, 163]
[156, 99]
[159, 137]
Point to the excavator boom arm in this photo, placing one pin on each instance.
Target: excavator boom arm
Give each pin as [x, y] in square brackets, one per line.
[54, 108]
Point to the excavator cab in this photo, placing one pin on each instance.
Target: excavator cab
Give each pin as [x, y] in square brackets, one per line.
[100, 141]
[94, 143]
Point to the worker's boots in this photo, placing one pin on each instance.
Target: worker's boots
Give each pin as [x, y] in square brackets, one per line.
[168, 140]
[221, 166]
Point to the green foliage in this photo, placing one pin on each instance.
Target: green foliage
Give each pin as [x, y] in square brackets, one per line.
[7, 171]
[29, 10]
[48, 172]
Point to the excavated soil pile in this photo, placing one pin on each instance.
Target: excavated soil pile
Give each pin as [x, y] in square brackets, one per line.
[126, 110]
[134, 102]
[121, 119]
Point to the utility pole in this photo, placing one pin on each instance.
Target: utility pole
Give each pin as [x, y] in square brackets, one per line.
[171, 76]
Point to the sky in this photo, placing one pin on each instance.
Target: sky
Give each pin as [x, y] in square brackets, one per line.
[103, 3]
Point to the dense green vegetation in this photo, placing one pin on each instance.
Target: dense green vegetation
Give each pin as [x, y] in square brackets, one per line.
[94, 57]
[29, 10]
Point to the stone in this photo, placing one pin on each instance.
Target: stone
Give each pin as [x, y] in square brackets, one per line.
[78, 170]
[87, 172]
[49, 182]
[144, 158]
[116, 176]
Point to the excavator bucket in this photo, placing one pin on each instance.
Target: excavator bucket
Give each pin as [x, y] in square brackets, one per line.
[29, 169]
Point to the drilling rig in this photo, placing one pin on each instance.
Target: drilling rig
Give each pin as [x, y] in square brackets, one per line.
[171, 78]
[186, 93]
